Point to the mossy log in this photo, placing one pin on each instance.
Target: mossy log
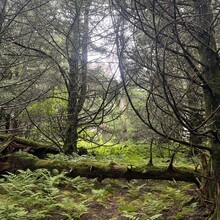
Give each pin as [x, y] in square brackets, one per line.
[12, 163]
[10, 144]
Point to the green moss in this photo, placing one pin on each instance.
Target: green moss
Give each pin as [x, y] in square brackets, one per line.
[127, 208]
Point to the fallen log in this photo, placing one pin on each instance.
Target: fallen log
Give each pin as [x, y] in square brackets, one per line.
[10, 144]
[12, 163]
[5, 143]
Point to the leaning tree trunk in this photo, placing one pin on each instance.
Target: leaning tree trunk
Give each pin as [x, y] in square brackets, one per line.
[211, 73]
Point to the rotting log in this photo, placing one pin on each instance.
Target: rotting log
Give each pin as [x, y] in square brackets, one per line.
[10, 144]
[12, 163]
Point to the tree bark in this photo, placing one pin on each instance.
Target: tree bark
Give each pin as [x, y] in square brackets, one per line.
[77, 77]
[2, 15]
[211, 73]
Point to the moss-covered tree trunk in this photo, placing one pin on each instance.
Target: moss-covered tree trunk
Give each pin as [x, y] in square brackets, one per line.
[12, 163]
[10, 144]
[211, 73]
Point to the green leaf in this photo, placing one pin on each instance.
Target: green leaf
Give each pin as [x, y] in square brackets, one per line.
[155, 216]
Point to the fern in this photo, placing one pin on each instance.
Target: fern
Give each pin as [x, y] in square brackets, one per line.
[154, 217]
[39, 193]
[12, 212]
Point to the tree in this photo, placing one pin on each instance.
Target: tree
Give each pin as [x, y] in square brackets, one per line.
[60, 34]
[77, 55]
[176, 51]
[16, 79]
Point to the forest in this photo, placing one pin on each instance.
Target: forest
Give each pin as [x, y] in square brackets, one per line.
[110, 109]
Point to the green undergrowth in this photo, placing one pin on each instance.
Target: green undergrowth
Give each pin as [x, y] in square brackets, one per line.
[48, 195]
[43, 195]
[134, 154]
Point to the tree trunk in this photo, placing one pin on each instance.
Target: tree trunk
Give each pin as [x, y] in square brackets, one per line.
[2, 15]
[211, 73]
[71, 138]
[12, 163]
[77, 77]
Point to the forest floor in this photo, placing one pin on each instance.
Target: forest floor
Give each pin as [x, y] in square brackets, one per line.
[145, 200]
[40, 194]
